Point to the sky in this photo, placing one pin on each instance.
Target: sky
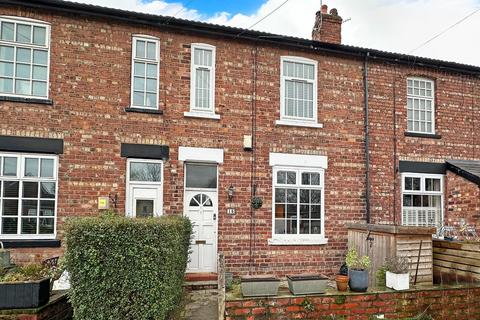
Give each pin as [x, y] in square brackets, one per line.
[390, 25]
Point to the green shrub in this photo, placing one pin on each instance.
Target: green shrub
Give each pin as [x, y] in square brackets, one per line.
[123, 268]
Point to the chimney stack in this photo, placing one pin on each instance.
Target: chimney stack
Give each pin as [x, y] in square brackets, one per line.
[328, 26]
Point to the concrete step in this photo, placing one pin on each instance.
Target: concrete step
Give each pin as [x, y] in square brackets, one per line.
[200, 285]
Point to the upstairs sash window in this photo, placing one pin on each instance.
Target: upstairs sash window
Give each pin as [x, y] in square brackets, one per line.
[145, 72]
[24, 57]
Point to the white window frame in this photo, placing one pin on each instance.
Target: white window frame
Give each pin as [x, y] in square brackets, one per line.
[299, 239]
[432, 99]
[423, 191]
[298, 121]
[32, 22]
[142, 37]
[197, 112]
[20, 176]
[130, 184]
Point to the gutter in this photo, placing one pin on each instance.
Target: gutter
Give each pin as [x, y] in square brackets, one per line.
[367, 138]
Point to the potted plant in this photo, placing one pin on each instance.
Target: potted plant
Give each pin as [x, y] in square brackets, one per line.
[358, 270]
[307, 283]
[259, 286]
[397, 275]
[24, 287]
[342, 278]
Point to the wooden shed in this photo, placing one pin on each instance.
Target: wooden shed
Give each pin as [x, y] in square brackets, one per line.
[381, 242]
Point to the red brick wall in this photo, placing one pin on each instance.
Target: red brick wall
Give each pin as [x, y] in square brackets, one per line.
[90, 87]
[441, 304]
[328, 27]
[463, 201]
[457, 117]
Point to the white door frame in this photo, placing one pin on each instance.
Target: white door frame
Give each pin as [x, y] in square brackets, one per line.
[204, 190]
[130, 186]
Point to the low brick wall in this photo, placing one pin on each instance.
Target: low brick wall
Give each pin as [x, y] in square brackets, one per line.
[440, 302]
[58, 308]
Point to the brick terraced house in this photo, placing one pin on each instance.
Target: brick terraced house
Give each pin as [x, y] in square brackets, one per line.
[155, 115]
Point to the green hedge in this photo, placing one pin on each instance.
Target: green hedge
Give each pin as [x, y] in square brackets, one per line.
[122, 268]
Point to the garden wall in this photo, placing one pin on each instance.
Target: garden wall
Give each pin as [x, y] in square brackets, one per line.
[441, 302]
[58, 308]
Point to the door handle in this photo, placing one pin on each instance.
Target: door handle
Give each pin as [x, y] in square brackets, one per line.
[201, 242]
[214, 216]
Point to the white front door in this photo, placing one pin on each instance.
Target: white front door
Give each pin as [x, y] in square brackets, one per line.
[202, 212]
[201, 207]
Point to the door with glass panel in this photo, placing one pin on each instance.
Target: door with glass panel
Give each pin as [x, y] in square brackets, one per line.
[144, 188]
[201, 207]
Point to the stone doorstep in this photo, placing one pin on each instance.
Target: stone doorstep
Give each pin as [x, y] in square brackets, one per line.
[206, 276]
[200, 285]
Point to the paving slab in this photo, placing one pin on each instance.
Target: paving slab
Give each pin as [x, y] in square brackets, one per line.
[200, 305]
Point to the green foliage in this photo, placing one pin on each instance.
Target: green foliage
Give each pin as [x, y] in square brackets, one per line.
[123, 268]
[307, 305]
[398, 265]
[340, 299]
[29, 272]
[381, 276]
[355, 262]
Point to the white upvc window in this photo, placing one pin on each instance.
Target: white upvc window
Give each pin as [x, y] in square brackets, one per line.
[144, 188]
[298, 205]
[298, 92]
[24, 57]
[145, 72]
[28, 196]
[422, 199]
[420, 105]
[202, 81]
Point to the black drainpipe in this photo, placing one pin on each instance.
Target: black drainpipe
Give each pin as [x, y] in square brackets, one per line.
[367, 136]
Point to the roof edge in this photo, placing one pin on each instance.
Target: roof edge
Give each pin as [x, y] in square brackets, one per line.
[243, 34]
[463, 173]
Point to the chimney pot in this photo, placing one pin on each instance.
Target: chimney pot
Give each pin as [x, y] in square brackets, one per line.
[328, 26]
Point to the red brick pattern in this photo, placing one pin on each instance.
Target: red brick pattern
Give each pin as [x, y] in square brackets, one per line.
[462, 201]
[90, 87]
[441, 304]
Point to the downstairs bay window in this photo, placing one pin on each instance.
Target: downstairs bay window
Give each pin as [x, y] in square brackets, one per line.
[422, 200]
[28, 196]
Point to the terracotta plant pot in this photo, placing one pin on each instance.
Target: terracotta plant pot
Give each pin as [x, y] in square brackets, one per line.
[342, 282]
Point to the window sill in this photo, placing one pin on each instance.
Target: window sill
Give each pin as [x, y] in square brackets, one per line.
[298, 124]
[202, 115]
[140, 110]
[27, 100]
[297, 241]
[422, 135]
[11, 244]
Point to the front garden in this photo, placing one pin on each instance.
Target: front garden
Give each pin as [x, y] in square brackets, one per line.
[119, 268]
[388, 274]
